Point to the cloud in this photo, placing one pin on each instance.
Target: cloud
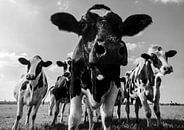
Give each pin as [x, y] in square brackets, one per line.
[63, 4]
[9, 59]
[133, 46]
[169, 1]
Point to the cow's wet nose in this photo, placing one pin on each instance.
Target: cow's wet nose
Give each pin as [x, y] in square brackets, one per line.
[30, 77]
[100, 50]
[168, 69]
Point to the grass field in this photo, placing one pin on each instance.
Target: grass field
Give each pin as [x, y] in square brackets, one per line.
[172, 118]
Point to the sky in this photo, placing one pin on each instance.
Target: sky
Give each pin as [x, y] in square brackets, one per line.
[26, 30]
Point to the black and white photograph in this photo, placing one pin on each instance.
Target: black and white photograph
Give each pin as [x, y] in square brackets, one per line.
[91, 64]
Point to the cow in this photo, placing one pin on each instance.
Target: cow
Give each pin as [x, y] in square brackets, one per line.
[144, 81]
[59, 93]
[123, 97]
[97, 57]
[31, 88]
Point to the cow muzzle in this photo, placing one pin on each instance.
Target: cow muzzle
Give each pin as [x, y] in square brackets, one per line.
[30, 77]
[167, 69]
[110, 53]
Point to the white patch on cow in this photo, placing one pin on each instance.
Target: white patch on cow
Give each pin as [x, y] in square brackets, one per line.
[100, 12]
[100, 77]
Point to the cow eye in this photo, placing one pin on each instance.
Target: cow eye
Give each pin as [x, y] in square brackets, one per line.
[69, 62]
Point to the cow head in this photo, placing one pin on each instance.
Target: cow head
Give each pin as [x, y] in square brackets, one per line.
[101, 31]
[66, 66]
[100, 47]
[34, 66]
[159, 58]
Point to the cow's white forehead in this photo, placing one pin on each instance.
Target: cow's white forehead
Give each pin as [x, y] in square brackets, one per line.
[100, 12]
[158, 50]
[35, 59]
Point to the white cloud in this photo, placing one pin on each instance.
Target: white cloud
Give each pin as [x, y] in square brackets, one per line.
[131, 46]
[63, 4]
[169, 1]
[9, 58]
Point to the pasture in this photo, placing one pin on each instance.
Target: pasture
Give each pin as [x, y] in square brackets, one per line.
[173, 119]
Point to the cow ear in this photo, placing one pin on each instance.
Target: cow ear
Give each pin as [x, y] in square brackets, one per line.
[170, 53]
[122, 79]
[146, 56]
[66, 22]
[23, 61]
[60, 63]
[46, 63]
[135, 23]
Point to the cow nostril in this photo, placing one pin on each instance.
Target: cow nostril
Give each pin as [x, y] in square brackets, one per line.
[100, 49]
[121, 51]
[165, 68]
[27, 77]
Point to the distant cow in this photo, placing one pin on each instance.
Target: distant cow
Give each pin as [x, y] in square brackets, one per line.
[144, 81]
[60, 92]
[97, 57]
[31, 88]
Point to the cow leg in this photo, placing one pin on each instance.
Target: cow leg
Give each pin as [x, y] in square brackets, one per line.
[35, 110]
[119, 110]
[19, 113]
[28, 114]
[156, 109]
[97, 112]
[137, 105]
[75, 112]
[146, 108]
[127, 109]
[156, 106]
[90, 118]
[85, 113]
[51, 105]
[107, 106]
[56, 113]
[62, 111]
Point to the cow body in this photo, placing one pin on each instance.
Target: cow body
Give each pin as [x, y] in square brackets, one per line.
[143, 82]
[97, 58]
[60, 92]
[31, 88]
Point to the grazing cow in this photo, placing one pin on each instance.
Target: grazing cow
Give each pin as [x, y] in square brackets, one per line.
[31, 89]
[97, 58]
[144, 81]
[60, 92]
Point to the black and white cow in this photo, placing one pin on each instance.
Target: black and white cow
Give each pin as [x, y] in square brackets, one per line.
[60, 92]
[97, 57]
[31, 88]
[144, 81]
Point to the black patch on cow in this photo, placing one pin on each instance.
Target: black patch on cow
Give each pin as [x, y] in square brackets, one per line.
[61, 88]
[100, 87]
[38, 69]
[24, 85]
[40, 83]
[156, 62]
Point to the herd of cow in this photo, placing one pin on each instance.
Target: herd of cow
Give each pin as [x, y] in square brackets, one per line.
[92, 74]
